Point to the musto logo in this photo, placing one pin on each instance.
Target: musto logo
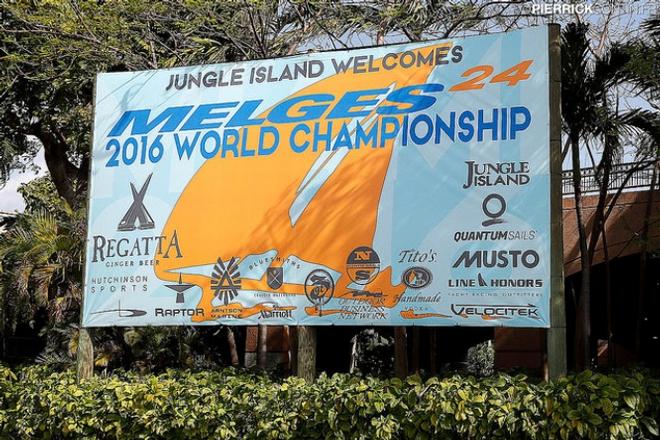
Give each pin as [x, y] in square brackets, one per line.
[504, 258]
[489, 312]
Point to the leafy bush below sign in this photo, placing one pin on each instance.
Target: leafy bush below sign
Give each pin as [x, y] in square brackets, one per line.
[36, 403]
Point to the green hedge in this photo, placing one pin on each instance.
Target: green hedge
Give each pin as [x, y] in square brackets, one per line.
[36, 403]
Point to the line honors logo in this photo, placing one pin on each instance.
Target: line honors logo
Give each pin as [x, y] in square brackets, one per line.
[226, 280]
[137, 211]
[362, 265]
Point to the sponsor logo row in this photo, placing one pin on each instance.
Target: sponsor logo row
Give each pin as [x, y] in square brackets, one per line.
[362, 264]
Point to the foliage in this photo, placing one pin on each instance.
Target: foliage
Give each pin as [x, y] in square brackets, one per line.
[40, 267]
[481, 359]
[36, 403]
[51, 52]
[591, 116]
[373, 353]
[40, 285]
[40, 195]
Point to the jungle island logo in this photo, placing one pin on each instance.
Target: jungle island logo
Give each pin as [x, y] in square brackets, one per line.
[226, 280]
[496, 174]
[137, 211]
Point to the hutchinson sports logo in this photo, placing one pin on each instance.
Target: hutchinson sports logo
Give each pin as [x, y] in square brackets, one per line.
[226, 280]
[362, 265]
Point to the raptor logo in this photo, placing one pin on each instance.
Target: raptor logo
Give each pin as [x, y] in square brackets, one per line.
[179, 288]
[226, 280]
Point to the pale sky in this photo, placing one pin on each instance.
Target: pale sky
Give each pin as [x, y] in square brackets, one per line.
[10, 199]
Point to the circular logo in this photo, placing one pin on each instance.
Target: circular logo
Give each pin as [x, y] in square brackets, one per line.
[417, 277]
[362, 265]
[319, 287]
[493, 210]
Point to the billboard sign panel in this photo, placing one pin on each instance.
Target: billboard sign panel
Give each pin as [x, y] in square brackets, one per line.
[394, 185]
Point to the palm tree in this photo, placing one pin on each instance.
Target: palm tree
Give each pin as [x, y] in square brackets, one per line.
[41, 268]
[590, 113]
[643, 74]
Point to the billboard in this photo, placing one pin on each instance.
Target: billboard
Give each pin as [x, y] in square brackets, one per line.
[393, 185]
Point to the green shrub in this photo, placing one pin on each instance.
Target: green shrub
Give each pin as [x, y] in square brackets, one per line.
[36, 403]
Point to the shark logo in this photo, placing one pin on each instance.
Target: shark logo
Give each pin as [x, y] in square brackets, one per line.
[137, 211]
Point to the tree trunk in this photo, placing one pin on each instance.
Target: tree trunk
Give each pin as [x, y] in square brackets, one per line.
[608, 300]
[400, 352]
[262, 346]
[433, 353]
[85, 363]
[233, 352]
[62, 172]
[307, 353]
[583, 313]
[415, 349]
[293, 349]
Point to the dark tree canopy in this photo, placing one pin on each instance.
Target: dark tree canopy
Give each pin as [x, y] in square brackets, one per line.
[51, 52]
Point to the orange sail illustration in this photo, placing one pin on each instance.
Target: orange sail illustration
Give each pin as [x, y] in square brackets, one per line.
[236, 207]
